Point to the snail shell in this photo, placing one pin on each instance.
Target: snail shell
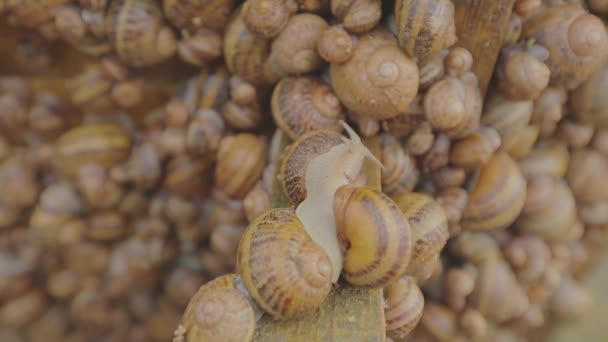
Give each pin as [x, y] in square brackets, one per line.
[379, 81]
[305, 104]
[138, 33]
[400, 173]
[585, 175]
[267, 18]
[576, 40]
[207, 90]
[219, 312]
[438, 323]
[424, 27]
[357, 16]
[496, 195]
[294, 50]
[103, 144]
[549, 157]
[241, 160]
[244, 52]
[190, 15]
[529, 256]
[475, 247]
[284, 271]
[589, 102]
[571, 300]
[336, 45]
[475, 149]
[522, 75]
[429, 226]
[472, 103]
[507, 117]
[376, 237]
[554, 219]
[297, 158]
[405, 304]
[444, 103]
[526, 139]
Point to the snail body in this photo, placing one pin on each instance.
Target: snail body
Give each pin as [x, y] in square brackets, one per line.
[218, 311]
[379, 81]
[138, 32]
[377, 238]
[284, 271]
[304, 104]
[424, 27]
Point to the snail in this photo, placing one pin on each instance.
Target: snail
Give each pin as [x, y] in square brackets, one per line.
[103, 144]
[375, 236]
[200, 48]
[429, 227]
[305, 104]
[284, 271]
[357, 16]
[458, 61]
[435, 69]
[241, 159]
[137, 31]
[218, 311]
[267, 18]
[496, 195]
[507, 117]
[400, 173]
[576, 40]
[475, 149]
[313, 168]
[444, 103]
[584, 175]
[424, 27]
[588, 101]
[336, 45]
[82, 29]
[191, 15]
[379, 81]
[405, 304]
[522, 73]
[548, 157]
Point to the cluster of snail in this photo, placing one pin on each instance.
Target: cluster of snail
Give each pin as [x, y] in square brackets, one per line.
[127, 199]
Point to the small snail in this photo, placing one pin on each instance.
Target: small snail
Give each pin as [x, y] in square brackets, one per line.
[529, 256]
[589, 102]
[548, 110]
[585, 175]
[138, 33]
[571, 300]
[522, 73]
[507, 117]
[357, 16]
[379, 81]
[241, 160]
[267, 18]
[472, 104]
[218, 311]
[429, 226]
[444, 103]
[400, 173]
[312, 170]
[424, 27]
[496, 195]
[375, 235]
[200, 48]
[475, 149]
[284, 271]
[103, 144]
[576, 40]
[434, 70]
[549, 157]
[191, 15]
[458, 61]
[304, 104]
[405, 304]
[336, 45]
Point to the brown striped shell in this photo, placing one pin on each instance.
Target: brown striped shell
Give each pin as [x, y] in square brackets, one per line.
[299, 155]
[424, 27]
[246, 53]
[586, 175]
[472, 103]
[267, 18]
[284, 271]
[336, 45]
[207, 90]
[357, 16]
[400, 173]
[444, 103]
[589, 102]
[496, 195]
[379, 81]
[404, 306]
[548, 157]
[103, 144]
[191, 15]
[507, 117]
[576, 40]
[241, 160]
[305, 104]
[521, 74]
[376, 237]
[475, 149]
[429, 226]
[138, 32]
[32, 13]
[219, 312]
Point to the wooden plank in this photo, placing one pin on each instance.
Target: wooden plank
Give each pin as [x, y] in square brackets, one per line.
[481, 26]
[349, 314]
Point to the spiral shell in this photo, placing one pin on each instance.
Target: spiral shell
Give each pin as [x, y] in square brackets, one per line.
[429, 226]
[589, 102]
[297, 158]
[357, 16]
[138, 32]
[207, 90]
[576, 40]
[285, 272]
[507, 117]
[549, 157]
[438, 322]
[241, 160]
[294, 50]
[218, 311]
[585, 175]
[191, 15]
[336, 45]
[400, 173]
[424, 27]
[379, 81]
[475, 149]
[305, 104]
[472, 104]
[244, 52]
[103, 144]
[377, 238]
[521, 75]
[405, 304]
[496, 195]
[266, 18]
[444, 103]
